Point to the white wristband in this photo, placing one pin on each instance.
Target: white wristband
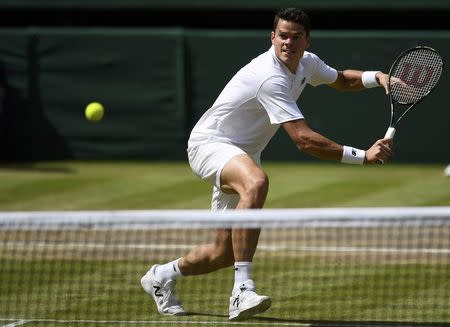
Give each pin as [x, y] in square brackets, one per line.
[351, 155]
[369, 79]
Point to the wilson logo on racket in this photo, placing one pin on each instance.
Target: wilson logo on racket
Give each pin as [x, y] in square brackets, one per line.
[416, 75]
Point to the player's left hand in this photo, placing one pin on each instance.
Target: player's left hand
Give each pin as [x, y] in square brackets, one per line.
[383, 80]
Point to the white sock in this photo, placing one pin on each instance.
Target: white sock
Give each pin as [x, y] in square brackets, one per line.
[168, 271]
[242, 271]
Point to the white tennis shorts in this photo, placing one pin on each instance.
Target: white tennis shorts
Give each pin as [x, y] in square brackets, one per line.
[207, 161]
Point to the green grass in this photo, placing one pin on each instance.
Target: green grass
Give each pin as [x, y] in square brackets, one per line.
[109, 290]
[147, 185]
[321, 290]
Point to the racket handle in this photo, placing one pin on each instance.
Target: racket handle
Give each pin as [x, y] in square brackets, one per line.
[389, 135]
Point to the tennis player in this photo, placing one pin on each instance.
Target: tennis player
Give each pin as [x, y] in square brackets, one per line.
[225, 145]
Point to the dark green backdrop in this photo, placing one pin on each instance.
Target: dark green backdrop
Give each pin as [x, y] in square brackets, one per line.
[155, 84]
[223, 4]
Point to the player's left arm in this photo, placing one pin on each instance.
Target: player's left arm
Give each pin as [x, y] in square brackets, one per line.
[352, 80]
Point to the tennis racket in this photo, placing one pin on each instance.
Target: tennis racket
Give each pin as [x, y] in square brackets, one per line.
[413, 75]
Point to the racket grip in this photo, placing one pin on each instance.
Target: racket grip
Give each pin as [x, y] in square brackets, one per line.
[390, 133]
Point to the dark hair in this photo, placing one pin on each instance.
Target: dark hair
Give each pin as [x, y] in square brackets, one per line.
[293, 15]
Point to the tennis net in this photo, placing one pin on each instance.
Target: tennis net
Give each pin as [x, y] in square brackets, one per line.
[333, 267]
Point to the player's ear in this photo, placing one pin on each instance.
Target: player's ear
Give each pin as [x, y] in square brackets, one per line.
[308, 41]
[272, 36]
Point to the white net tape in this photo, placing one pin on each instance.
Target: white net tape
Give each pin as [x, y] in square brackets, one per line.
[267, 218]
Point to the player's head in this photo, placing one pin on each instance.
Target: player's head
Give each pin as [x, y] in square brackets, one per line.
[294, 15]
[290, 36]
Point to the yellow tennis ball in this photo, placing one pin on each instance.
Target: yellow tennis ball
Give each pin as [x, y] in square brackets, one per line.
[94, 111]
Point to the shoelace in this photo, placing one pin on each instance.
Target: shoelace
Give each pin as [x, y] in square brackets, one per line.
[242, 296]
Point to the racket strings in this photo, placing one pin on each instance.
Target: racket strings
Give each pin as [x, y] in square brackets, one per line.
[415, 75]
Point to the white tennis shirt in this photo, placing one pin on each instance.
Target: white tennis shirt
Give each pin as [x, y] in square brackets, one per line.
[260, 97]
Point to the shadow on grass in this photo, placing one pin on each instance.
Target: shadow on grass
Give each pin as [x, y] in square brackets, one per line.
[338, 323]
[328, 323]
[192, 313]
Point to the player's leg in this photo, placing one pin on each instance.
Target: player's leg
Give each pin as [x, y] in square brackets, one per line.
[244, 185]
[243, 175]
[160, 280]
[239, 182]
[207, 258]
[207, 162]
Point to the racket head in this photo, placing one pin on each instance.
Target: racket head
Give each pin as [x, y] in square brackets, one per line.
[414, 74]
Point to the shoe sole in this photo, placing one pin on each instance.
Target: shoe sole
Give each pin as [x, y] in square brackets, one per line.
[250, 312]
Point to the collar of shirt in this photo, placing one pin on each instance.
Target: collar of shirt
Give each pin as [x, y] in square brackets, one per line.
[291, 75]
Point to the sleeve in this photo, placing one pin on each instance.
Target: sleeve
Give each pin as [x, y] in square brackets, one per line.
[322, 73]
[274, 97]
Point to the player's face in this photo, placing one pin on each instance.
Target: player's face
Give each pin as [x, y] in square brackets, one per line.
[290, 41]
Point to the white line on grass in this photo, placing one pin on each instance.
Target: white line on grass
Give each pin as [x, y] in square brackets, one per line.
[264, 247]
[16, 323]
[150, 322]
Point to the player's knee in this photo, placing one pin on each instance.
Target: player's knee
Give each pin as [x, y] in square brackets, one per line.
[257, 186]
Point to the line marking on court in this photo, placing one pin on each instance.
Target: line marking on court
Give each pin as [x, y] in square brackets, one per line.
[152, 322]
[16, 323]
[264, 247]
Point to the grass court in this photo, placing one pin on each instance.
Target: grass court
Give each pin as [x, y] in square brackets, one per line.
[322, 280]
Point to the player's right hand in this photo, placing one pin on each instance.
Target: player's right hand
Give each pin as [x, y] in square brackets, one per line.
[380, 151]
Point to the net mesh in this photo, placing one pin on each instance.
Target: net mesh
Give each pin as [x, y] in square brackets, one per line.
[333, 267]
[414, 75]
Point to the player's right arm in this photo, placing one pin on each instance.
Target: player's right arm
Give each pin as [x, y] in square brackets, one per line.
[319, 146]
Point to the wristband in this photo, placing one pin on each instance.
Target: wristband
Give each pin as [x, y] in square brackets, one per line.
[369, 79]
[351, 155]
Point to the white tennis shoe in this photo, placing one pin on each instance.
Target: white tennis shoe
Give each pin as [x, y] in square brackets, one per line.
[162, 294]
[245, 303]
